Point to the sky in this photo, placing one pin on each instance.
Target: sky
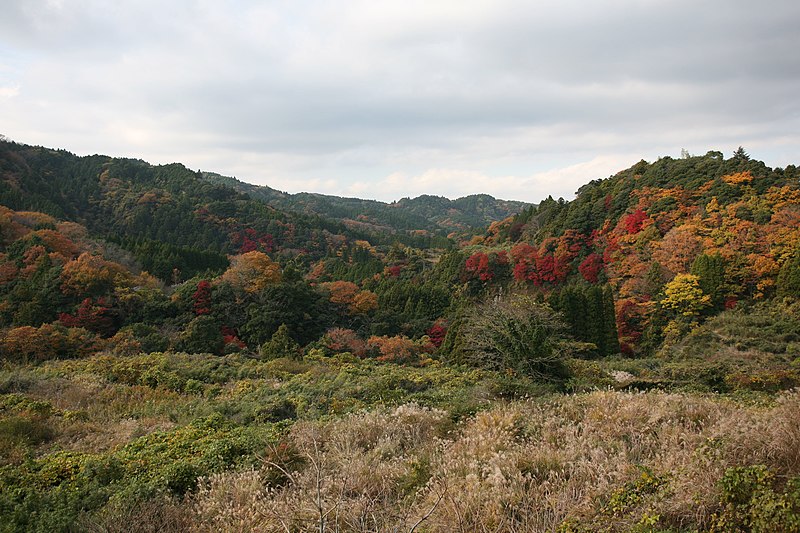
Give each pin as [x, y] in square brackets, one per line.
[383, 100]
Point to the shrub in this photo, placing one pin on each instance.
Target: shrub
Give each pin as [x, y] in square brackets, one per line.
[515, 333]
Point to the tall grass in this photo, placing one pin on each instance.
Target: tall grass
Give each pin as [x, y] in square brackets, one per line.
[607, 461]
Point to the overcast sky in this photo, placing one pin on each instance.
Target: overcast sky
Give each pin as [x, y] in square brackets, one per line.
[390, 99]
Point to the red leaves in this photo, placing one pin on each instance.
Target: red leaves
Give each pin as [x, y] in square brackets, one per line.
[591, 267]
[634, 222]
[201, 299]
[549, 267]
[478, 265]
[437, 333]
[249, 240]
[90, 316]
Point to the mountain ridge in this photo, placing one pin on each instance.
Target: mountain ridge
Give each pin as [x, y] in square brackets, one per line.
[462, 214]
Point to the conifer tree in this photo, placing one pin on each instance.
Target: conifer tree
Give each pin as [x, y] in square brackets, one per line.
[789, 277]
[710, 269]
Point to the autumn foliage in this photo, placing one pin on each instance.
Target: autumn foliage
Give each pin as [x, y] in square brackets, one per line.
[251, 272]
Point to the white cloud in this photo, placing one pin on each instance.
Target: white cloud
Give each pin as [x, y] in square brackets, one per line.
[9, 92]
[391, 99]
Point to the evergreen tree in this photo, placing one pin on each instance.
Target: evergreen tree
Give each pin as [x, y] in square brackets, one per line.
[202, 335]
[281, 344]
[789, 277]
[710, 269]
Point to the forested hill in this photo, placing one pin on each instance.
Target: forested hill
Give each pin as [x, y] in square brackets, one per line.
[434, 214]
[166, 214]
[676, 239]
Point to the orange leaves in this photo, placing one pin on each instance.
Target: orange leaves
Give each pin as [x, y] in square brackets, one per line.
[399, 349]
[91, 274]
[678, 248]
[46, 342]
[56, 242]
[738, 178]
[345, 340]
[252, 272]
[364, 302]
[347, 294]
[342, 292]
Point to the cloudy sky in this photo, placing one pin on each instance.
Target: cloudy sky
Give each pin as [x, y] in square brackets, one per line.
[390, 99]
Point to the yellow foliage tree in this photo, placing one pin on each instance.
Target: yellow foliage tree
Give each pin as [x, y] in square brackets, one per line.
[684, 296]
[91, 274]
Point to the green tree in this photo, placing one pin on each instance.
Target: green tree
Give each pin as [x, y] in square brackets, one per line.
[590, 315]
[789, 277]
[202, 335]
[515, 333]
[710, 271]
[280, 345]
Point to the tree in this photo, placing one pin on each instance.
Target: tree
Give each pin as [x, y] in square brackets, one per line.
[515, 333]
[710, 271]
[252, 272]
[741, 155]
[789, 277]
[95, 317]
[591, 267]
[684, 296]
[92, 275]
[399, 349]
[590, 315]
[364, 302]
[342, 292]
[281, 344]
[202, 335]
[634, 222]
[201, 299]
[306, 313]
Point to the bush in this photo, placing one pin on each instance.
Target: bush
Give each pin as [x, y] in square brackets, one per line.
[515, 333]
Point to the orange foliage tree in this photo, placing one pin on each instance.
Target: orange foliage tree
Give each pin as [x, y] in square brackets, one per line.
[347, 294]
[93, 275]
[46, 342]
[252, 272]
[399, 349]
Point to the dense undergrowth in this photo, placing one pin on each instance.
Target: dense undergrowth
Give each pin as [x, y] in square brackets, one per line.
[180, 442]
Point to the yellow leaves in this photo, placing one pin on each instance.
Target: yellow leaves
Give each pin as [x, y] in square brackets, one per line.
[365, 245]
[684, 296]
[781, 197]
[252, 272]
[364, 302]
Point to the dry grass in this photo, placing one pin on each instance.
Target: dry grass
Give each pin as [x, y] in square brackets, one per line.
[600, 461]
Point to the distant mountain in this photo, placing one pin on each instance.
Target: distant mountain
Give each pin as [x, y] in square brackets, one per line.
[435, 214]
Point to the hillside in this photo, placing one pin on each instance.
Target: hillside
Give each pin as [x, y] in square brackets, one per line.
[170, 210]
[180, 354]
[730, 225]
[434, 214]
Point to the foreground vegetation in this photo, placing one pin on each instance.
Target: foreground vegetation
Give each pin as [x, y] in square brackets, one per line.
[182, 442]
